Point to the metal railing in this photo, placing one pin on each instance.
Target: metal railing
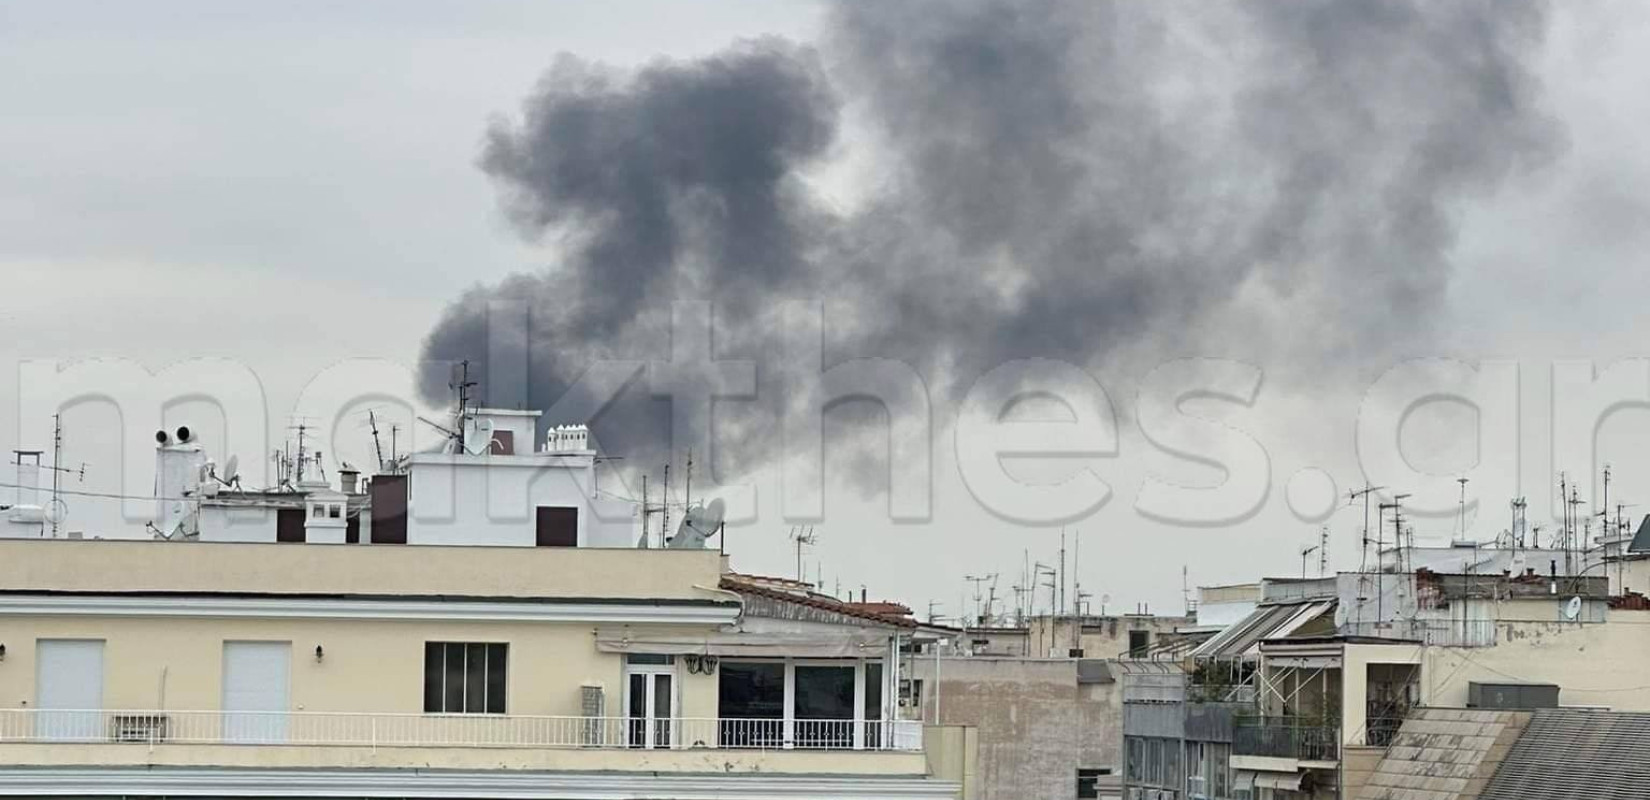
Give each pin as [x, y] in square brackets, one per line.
[320, 728]
[1285, 737]
[1431, 632]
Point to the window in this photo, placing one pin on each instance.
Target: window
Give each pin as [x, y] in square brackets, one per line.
[334, 511]
[557, 526]
[910, 690]
[318, 511]
[1139, 643]
[465, 677]
[1135, 760]
[824, 706]
[1088, 782]
[751, 703]
[289, 525]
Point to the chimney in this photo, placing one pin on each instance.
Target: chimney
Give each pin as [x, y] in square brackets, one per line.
[346, 480]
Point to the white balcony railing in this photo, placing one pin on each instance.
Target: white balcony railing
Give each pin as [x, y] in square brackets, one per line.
[307, 728]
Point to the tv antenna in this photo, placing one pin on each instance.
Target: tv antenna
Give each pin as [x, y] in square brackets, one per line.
[377, 448]
[1461, 504]
[1306, 551]
[1350, 498]
[461, 387]
[802, 536]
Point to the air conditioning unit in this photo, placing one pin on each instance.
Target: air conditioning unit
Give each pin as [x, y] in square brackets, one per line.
[138, 728]
[593, 703]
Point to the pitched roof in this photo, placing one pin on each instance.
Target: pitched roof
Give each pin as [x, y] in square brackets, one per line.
[1573, 753]
[1641, 539]
[817, 601]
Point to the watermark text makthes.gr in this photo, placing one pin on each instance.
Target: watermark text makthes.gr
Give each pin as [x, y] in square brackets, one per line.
[1033, 441]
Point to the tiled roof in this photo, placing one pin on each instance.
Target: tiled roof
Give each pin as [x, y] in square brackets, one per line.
[1572, 754]
[818, 601]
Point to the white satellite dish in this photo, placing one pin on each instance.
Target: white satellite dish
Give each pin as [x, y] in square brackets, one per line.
[1572, 609]
[698, 524]
[231, 471]
[482, 442]
[56, 511]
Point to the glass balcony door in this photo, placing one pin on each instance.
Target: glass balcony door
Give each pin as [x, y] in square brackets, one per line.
[649, 701]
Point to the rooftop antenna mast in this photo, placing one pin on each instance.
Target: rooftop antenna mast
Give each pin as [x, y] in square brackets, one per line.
[1323, 550]
[1461, 505]
[978, 581]
[377, 448]
[664, 518]
[1306, 551]
[802, 536]
[1520, 524]
[462, 387]
[1363, 562]
[1570, 540]
[1365, 493]
[687, 487]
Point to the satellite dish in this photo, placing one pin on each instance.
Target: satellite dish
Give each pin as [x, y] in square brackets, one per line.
[231, 471]
[1572, 609]
[482, 442]
[698, 524]
[56, 511]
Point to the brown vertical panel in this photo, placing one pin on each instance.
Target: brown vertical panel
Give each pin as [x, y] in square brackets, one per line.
[389, 509]
[558, 526]
[504, 443]
[289, 525]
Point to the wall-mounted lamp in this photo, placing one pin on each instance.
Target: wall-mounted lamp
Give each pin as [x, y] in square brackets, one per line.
[319, 654]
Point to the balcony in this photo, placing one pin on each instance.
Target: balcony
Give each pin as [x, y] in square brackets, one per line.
[325, 739]
[451, 730]
[1285, 737]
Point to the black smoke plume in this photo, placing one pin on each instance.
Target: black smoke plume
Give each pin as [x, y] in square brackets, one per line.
[1104, 183]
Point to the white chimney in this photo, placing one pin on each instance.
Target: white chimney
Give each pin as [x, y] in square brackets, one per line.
[179, 462]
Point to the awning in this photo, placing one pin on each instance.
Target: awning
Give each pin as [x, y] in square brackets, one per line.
[1242, 639]
[1284, 781]
[1249, 780]
[751, 645]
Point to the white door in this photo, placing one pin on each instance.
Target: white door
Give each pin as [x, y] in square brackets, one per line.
[649, 704]
[256, 686]
[69, 688]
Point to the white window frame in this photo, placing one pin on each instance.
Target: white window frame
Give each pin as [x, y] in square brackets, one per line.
[789, 723]
[675, 711]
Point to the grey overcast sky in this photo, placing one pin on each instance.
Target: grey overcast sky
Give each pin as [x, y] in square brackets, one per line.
[290, 185]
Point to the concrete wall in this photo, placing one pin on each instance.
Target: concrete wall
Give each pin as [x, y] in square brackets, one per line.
[1099, 637]
[127, 566]
[1036, 725]
[1594, 665]
[953, 755]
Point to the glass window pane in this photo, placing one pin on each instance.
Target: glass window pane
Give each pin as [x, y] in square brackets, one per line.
[434, 673]
[751, 703]
[498, 664]
[475, 678]
[453, 696]
[638, 697]
[661, 710]
[824, 692]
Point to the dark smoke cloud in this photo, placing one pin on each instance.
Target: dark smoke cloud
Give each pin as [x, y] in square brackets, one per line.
[1101, 183]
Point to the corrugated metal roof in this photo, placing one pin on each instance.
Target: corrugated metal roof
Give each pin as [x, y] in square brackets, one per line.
[1242, 640]
[1571, 754]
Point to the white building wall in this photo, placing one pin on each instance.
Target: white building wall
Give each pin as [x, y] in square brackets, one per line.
[237, 524]
[493, 500]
